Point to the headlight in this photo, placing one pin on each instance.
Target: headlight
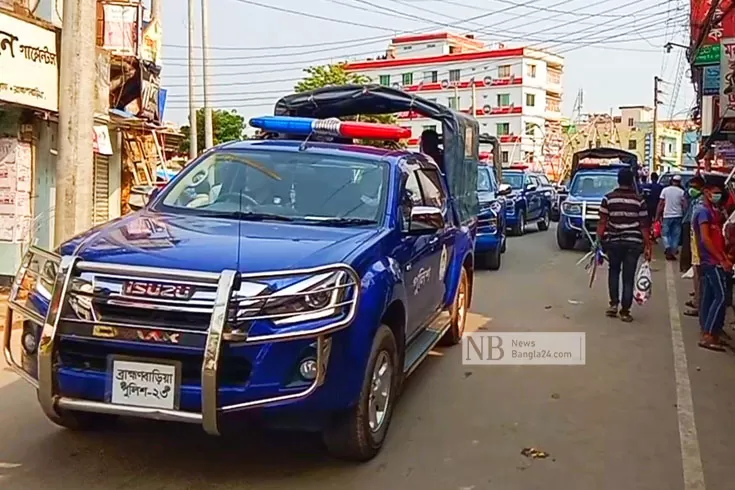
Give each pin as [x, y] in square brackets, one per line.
[311, 299]
[571, 208]
[47, 278]
[81, 299]
[495, 207]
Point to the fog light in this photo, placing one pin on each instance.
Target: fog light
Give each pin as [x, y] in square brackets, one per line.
[29, 343]
[307, 369]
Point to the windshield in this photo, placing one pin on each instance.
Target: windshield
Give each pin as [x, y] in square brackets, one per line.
[593, 184]
[281, 185]
[513, 179]
[485, 180]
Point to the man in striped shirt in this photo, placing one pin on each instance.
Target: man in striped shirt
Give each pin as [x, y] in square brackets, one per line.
[623, 231]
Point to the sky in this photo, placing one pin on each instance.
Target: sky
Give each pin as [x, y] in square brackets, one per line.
[258, 48]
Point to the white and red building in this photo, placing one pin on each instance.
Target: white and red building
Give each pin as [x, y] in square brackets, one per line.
[517, 91]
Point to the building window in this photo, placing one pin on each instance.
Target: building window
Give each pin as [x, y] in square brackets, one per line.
[530, 100]
[632, 144]
[686, 148]
[385, 80]
[428, 127]
[454, 103]
[504, 157]
[431, 45]
[454, 75]
[407, 79]
[531, 71]
[631, 122]
[430, 76]
[502, 129]
[530, 129]
[503, 100]
[504, 71]
[528, 156]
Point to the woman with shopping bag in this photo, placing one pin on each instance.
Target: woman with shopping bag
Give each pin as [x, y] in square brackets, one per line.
[624, 233]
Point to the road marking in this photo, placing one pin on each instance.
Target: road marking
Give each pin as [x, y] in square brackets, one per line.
[690, 456]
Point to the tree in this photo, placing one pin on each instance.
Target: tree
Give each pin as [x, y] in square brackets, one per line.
[226, 126]
[327, 75]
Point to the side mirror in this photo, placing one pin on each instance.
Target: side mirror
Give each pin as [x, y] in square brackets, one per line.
[425, 219]
[140, 196]
[531, 187]
[154, 194]
[504, 189]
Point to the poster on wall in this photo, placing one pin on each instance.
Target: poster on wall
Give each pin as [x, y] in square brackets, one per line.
[15, 187]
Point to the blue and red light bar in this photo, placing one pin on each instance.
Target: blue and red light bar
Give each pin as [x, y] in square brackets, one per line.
[331, 127]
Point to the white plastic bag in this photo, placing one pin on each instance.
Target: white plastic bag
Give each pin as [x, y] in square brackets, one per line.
[643, 283]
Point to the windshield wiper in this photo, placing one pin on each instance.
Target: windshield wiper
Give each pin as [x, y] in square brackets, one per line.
[250, 216]
[344, 221]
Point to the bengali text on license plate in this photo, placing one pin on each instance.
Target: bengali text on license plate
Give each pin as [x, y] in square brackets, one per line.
[143, 384]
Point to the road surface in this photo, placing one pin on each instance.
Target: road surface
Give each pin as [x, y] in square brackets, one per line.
[646, 412]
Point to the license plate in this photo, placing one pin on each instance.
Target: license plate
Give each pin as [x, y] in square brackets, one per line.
[144, 384]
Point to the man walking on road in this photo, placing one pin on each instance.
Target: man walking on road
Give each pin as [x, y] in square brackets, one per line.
[623, 230]
[715, 266]
[671, 208]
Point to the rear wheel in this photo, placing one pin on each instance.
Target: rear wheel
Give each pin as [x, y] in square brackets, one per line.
[358, 433]
[492, 259]
[543, 225]
[520, 227]
[459, 312]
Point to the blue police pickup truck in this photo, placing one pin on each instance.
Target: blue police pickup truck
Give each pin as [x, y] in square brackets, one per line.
[594, 173]
[528, 201]
[491, 229]
[292, 278]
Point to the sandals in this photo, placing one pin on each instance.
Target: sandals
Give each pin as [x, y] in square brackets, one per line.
[611, 312]
[690, 304]
[712, 343]
[691, 312]
[625, 317]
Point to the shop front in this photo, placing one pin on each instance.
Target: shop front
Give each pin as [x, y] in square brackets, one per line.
[29, 78]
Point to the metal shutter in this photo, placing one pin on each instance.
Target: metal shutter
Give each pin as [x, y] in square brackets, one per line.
[101, 189]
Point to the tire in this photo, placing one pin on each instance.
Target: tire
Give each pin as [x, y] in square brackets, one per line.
[543, 225]
[565, 240]
[493, 259]
[349, 437]
[520, 228]
[459, 312]
[85, 421]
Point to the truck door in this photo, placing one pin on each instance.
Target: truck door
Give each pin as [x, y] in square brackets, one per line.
[442, 248]
[533, 197]
[414, 254]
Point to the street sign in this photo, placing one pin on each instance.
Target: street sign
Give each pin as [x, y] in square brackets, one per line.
[711, 80]
[709, 54]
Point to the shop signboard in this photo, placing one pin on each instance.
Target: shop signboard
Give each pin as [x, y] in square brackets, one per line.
[727, 86]
[29, 68]
[711, 80]
[121, 28]
[724, 27]
[709, 54]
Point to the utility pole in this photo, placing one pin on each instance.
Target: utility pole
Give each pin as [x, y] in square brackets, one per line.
[75, 162]
[193, 131]
[656, 103]
[156, 10]
[208, 132]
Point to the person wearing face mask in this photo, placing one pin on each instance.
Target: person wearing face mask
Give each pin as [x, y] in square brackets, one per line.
[707, 222]
[688, 238]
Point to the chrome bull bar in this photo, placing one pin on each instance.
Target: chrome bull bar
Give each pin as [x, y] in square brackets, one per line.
[585, 216]
[216, 334]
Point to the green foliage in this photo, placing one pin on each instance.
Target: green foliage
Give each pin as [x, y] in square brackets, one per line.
[330, 75]
[226, 126]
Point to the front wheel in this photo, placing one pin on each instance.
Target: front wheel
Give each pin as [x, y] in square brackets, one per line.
[459, 311]
[84, 421]
[358, 433]
[564, 239]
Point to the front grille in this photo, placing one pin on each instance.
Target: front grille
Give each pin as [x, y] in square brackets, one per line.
[93, 356]
[152, 318]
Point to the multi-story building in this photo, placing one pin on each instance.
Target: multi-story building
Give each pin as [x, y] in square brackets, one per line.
[517, 91]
